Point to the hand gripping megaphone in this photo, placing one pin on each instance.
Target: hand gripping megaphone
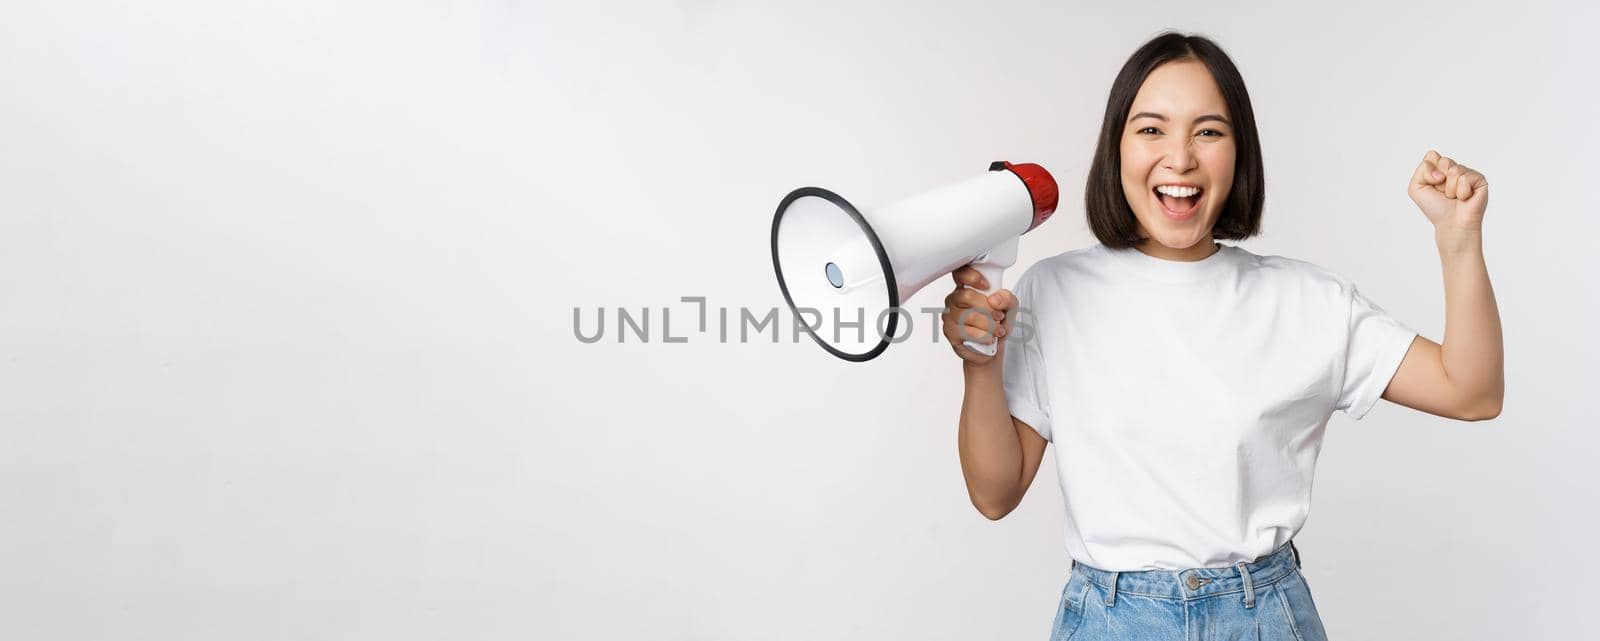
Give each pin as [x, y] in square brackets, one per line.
[859, 265]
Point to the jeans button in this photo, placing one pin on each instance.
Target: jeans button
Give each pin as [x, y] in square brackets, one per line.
[1195, 582]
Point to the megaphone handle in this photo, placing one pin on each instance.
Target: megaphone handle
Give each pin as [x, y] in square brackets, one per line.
[993, 267]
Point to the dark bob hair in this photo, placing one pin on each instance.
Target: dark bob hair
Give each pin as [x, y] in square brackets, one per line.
[1110, 217]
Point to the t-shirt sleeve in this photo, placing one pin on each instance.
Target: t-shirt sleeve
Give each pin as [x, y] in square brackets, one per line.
[1023, 370]
[1376, 344]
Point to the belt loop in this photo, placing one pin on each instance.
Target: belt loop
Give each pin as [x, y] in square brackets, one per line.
[1111, 594]
[1296, 552]
[1249, 590]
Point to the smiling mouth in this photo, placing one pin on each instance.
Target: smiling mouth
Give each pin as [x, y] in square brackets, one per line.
[1179, 205]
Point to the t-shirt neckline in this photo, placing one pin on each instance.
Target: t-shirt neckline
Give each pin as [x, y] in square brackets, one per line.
[1176, 271]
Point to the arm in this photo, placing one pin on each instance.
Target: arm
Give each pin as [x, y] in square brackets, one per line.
[1465, 377]
[1000, 455]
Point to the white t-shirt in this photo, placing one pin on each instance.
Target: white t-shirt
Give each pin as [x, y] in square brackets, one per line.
[1187, 400]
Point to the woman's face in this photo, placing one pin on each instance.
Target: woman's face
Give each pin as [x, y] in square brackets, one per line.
[1178, 139]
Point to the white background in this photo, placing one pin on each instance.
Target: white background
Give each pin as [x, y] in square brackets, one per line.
[287, 292]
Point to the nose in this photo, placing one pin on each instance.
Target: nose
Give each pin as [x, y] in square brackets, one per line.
[1180, 158]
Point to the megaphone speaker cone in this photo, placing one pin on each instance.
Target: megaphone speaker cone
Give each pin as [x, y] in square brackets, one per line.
[834, 273]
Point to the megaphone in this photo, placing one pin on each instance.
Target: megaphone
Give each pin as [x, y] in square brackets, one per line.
[861, 265]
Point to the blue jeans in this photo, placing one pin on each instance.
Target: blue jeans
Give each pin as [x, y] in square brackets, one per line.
[1266, 600]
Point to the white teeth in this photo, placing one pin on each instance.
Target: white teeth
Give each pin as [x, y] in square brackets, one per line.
[1178, 192]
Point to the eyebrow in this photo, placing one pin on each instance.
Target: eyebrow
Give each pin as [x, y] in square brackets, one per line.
[1197, 120]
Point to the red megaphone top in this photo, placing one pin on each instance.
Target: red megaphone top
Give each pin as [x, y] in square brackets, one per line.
[1041, 188]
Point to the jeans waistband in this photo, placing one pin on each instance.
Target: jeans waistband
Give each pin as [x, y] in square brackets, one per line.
[1196, 583]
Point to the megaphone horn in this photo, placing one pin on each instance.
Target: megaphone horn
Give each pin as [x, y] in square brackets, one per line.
[862, 264]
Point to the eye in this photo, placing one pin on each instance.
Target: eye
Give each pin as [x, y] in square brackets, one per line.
[1149, 130]
[1214, 133]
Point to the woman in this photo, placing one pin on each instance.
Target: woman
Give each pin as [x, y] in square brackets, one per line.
[1185, 383]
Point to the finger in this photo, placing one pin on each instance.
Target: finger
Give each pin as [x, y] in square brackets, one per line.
[964, 334]
[976, 300]
[1478, 181]
[1453, 182]
[979, 326]
[964, 298]
[965, 325]
[1426, 173]
[1444, 164]
[976, 317]
[969, 276]
[958, 343]
[1003, 300]
[1480, 188]
[965, 331]
[1464, 185]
